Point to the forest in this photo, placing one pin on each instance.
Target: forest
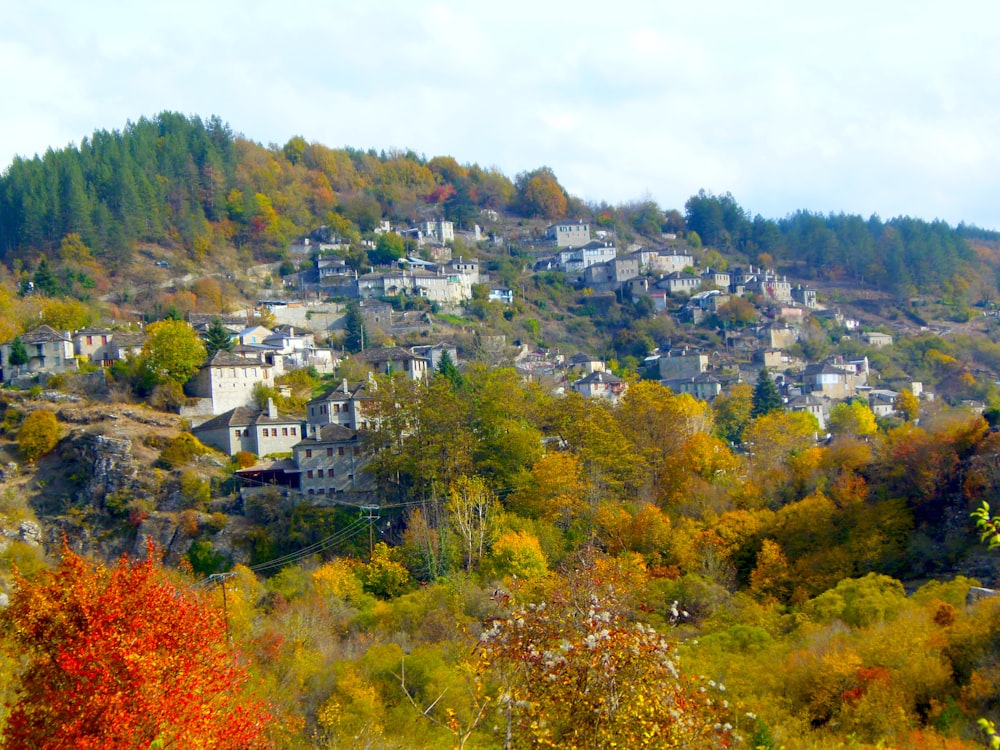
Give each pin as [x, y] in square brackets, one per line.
[196, 185]
[556, 571]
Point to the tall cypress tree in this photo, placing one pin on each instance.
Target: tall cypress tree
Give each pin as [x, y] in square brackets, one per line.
[217, 338]
[766, 397]
[354, 340]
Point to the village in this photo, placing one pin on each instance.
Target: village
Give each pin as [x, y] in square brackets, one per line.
[322, 454]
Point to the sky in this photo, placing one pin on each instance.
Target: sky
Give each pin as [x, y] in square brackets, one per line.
[875, 107]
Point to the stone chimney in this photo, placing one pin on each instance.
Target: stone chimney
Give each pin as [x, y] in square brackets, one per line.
[272, 410]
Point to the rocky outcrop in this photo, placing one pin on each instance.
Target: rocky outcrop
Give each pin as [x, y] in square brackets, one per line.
[109, 466]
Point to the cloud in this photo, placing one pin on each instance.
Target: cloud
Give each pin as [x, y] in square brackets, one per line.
[854, 107]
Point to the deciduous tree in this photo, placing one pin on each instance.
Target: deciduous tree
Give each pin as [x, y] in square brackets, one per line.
[123, 658]
[173, 351]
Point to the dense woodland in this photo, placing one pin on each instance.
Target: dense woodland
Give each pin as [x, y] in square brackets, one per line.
[194, 184]
[543, 570]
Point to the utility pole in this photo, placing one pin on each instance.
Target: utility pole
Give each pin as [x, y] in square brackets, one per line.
[221, 578]
[372, 517]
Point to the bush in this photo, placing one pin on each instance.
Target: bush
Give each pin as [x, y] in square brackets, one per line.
[39, 434]
[194, 491]
[181, 450]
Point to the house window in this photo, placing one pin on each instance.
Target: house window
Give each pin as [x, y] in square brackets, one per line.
[309, 474]
[284, 431]
[90, 340]
[237, 433]
[292, 429]
[330, 473]
[357, 450]
[329, 451]
[340, 451]
[309, 453]
[319, 473]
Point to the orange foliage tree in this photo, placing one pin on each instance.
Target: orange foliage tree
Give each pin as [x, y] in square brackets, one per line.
[123, 658]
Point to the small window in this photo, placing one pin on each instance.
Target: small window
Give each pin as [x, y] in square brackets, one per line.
[329, 451]
[309, 474]
[319, 473]
[284, 431]
[237, 433]
[340, 451]
[309, 453]
[292, 429]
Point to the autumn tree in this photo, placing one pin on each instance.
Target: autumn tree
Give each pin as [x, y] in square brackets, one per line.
[852, 418]
[39, 434]
[123, 658]
[540, 194]
[173, 351]
[580, 674]
[472, 511]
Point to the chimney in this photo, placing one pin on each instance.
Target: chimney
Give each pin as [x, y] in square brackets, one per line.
[272, 410]
[344, 385]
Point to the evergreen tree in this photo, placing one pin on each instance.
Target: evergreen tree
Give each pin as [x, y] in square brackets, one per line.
[18, 353]
[765, 396]
[45, 280]
[354, 341]
[217, 338]
[447, 369]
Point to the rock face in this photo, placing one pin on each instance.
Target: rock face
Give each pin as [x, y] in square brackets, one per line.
[110, 467]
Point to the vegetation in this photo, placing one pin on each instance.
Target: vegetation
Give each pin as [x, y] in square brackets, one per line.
[123, 658]
[542, 570]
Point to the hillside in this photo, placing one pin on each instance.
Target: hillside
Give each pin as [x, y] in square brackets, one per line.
[733, 512]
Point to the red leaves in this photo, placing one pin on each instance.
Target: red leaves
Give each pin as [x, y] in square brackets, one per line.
[123, 658]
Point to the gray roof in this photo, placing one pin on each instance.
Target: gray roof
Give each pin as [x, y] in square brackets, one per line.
[226, 359]
[241, 416]
[43, 334]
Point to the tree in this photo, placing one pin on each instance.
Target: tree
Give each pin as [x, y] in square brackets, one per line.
[217, 338]
[579, 674]
[765, 396]
[39, 434]
[18, 352]
[354, 325]
[852, 418]
[123, 658]
[472, 510]
[447, 369]
[908, 405]
[541, 194]
[388, 247]
[173, 351]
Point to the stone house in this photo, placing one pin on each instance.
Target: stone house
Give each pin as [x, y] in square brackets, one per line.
[679, 282]
[395, 359]
[92, 343]
[259, 432]
[227, 381]
[343, 405]
[682, 363]
[577, 259]
[601, 385]
[569, 233]
[703, 386]
[48, 351]
[333, 461]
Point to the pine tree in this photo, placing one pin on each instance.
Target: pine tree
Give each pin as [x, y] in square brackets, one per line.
[18, 352]
[354, 340]
[217, 338]
[765, 396]
[447, 368]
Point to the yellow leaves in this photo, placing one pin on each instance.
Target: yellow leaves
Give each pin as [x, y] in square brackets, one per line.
[518, 553]
[337, 578]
